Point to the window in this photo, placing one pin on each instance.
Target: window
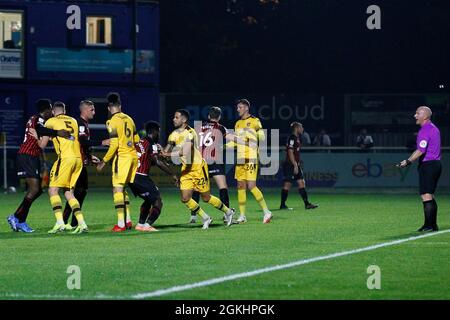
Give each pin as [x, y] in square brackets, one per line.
[11, 44]
[99, 31]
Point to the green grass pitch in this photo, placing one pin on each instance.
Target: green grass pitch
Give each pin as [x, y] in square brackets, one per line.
[118, 266]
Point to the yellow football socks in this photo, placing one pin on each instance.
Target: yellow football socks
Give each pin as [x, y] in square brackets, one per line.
[75, 206]
[242, 200]
[55, 201]
[259, 197]
[119, 204]
[214, 201]
[195, 209]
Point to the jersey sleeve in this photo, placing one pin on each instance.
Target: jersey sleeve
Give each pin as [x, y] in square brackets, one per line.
[190, 137]
[111, 126]
[422, 141]
[49, 124]
[172, 139]
[259, 132]
[153, 150]
[223, 130]
[258, 125]
[82, 130]
[290, 142]
[41, 128]
[136, 137]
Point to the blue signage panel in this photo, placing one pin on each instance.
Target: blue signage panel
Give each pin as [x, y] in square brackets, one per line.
[94, 60]
[12, 117]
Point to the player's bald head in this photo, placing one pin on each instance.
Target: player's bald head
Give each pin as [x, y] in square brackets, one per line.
[426, 111]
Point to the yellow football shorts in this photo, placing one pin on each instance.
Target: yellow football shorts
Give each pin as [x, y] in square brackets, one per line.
[65, 172]
[246, 171]
[123, 170]
[197, 180]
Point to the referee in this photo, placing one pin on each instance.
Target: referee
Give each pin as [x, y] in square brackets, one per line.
[429, 154]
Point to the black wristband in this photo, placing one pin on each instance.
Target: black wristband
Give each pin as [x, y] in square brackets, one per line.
[408, 162]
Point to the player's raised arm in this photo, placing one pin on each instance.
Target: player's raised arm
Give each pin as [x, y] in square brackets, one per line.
[167, 151]
[413, 157]
[166, 169]
[44, 131]
[231, 137]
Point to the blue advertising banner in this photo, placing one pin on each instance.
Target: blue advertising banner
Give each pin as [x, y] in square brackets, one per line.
[357, 170]
[94, 60]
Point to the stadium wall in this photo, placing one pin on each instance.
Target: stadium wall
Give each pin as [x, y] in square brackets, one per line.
[54, 62]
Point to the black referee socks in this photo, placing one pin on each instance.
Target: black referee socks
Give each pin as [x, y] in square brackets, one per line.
[430, 213]
[434, 218]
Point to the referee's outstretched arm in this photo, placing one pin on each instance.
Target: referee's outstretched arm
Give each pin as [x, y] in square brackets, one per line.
[413, 157]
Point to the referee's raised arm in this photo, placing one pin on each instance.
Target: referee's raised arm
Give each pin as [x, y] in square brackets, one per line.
[428, 153]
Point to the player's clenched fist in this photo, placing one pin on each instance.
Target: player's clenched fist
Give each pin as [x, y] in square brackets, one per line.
[100, 166]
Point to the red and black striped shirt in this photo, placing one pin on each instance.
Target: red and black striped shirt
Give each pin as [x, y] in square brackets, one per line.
[293, 142]
[211, 137]
[147, 152]
[30, 145]
[84, 134]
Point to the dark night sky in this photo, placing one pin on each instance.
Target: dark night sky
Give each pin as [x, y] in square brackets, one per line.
[303, 46]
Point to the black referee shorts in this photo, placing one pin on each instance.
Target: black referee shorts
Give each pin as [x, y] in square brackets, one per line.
[28, 166]
[429, 173]
[215, 169]
[145, 188]
[82, 182]
[288, 172]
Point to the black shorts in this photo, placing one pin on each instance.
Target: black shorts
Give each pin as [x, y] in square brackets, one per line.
[429, 173]
[145, 188]
[288, 172]
[215, 169]
[82, 182]
[28, 166]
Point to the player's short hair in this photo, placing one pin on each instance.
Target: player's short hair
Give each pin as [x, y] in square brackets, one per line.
[214, 113]
[243, 101]
[151, 126]
[295, 125]
[43, 105]
[113, 99]
[60, 105]
[184, 113]
[86, 102]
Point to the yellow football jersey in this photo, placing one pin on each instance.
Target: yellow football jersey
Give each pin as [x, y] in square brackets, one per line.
[65, 148]
[249, 130]
[178, 138]
[123, 136]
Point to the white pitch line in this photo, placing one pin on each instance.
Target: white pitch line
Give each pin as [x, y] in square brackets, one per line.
[210, 282]
[59, 296]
